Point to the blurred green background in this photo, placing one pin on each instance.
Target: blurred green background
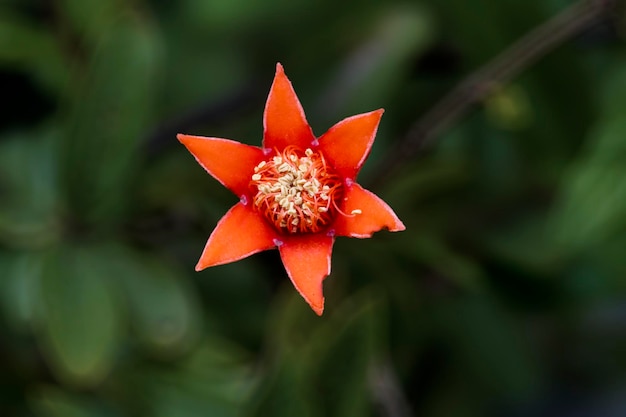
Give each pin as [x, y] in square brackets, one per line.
[505, 296]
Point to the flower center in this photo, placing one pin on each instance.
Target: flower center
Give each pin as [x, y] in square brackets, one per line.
[296, 191]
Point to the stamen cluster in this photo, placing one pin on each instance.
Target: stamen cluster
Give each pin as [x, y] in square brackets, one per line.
[296, 191]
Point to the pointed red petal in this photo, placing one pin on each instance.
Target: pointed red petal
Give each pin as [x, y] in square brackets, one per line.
[231, 163]
[347, 144]
[375, 214]
[307, 261]
[284, 121]
[240, 233]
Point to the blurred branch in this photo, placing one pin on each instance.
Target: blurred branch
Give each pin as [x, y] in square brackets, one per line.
[523, 53]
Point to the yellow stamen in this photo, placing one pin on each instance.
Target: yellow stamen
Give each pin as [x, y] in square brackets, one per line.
[296, 191]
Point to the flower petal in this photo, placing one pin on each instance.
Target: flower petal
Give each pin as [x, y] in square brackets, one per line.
[240, 233]
[231, 163]
[374, 215]
[347, 144]
[307, 261]
[284, 122]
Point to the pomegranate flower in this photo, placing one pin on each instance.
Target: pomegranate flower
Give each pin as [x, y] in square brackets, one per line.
[296, 193]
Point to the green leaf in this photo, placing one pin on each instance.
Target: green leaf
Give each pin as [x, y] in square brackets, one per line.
[213, 380]
[591, 207]
[107, 120]
[34, 50]
[345, 349]
[91, 19]
[28, 191]
[322, 367]
[81, 316]
[524, 244]
[430, 250]
[372, 72]
[20, 293]
[165, 313]
[50, 401]
[285, 392]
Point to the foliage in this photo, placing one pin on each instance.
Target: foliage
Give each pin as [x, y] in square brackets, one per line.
[504, 296]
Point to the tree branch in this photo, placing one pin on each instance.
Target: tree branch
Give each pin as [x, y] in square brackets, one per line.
[519, 56]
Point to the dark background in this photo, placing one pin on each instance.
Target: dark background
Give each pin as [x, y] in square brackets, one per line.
[505, 296]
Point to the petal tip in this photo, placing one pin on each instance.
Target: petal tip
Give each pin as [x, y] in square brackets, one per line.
[279, 68]
[399, 227]
[319, 310]
[378, 116]
[315, 301]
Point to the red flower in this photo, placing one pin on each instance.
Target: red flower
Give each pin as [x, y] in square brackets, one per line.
[296, 193]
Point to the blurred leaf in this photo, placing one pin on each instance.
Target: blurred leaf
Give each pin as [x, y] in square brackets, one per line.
[30, 48]
[165, 312]
[285, 392]
[324, 365]
[81, 316]
[198, 74]
[286, 389]
[480, 30]
[368, 76]
[429, 250]
[213, 380]
[91, 19]
[158, 190]
[509, 107]
[415, 190]
[20, 288]
[592, 203]
[108, 118]
[49, 401]
[28, 191]
[489, 345]
[226, 16]
[524, 243]
[345, 350]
